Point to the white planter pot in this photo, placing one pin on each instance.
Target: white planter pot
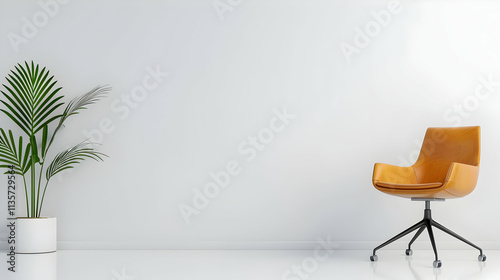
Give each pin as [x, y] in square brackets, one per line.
[36, 235]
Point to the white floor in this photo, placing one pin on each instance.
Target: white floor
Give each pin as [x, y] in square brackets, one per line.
[249, 264]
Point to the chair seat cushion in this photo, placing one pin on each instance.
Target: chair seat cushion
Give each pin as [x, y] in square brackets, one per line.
[409, 186]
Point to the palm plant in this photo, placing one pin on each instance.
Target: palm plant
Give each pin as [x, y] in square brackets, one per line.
[32, 102]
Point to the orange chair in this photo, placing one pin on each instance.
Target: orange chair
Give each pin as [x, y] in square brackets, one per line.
[447, 167]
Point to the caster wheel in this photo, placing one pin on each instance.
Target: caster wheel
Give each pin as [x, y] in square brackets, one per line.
[374, 258]
[437, 264]
[409, 252]
[481, 258]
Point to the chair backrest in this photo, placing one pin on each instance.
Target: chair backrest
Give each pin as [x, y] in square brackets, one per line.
[441, 147]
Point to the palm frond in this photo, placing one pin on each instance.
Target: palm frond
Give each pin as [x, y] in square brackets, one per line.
[31, 97]
[81, 103]
[12, 156]
[76, 105]
[72, 156]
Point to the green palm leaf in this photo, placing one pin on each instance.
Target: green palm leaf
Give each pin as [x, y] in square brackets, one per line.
[31, 97]
[10, 156]
[72, 156]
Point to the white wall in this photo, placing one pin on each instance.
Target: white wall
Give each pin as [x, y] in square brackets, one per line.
[227, 75]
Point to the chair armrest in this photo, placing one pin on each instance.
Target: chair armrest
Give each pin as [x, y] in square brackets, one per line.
[461, 179]
[393, 174]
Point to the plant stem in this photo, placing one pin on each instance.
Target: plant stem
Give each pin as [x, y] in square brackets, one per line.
[27, 199]
[33, 183]
[38, 193]
[43, 196]
[34, 156]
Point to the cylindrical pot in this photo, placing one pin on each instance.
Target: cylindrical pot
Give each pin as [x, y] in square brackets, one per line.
[36, 235]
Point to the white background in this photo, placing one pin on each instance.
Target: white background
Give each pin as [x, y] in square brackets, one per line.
[226, 76]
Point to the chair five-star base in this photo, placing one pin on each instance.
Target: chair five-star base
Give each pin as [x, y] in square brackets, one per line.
[426, 223]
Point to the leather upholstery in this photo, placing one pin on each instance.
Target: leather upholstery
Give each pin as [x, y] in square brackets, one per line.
[447, 167]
